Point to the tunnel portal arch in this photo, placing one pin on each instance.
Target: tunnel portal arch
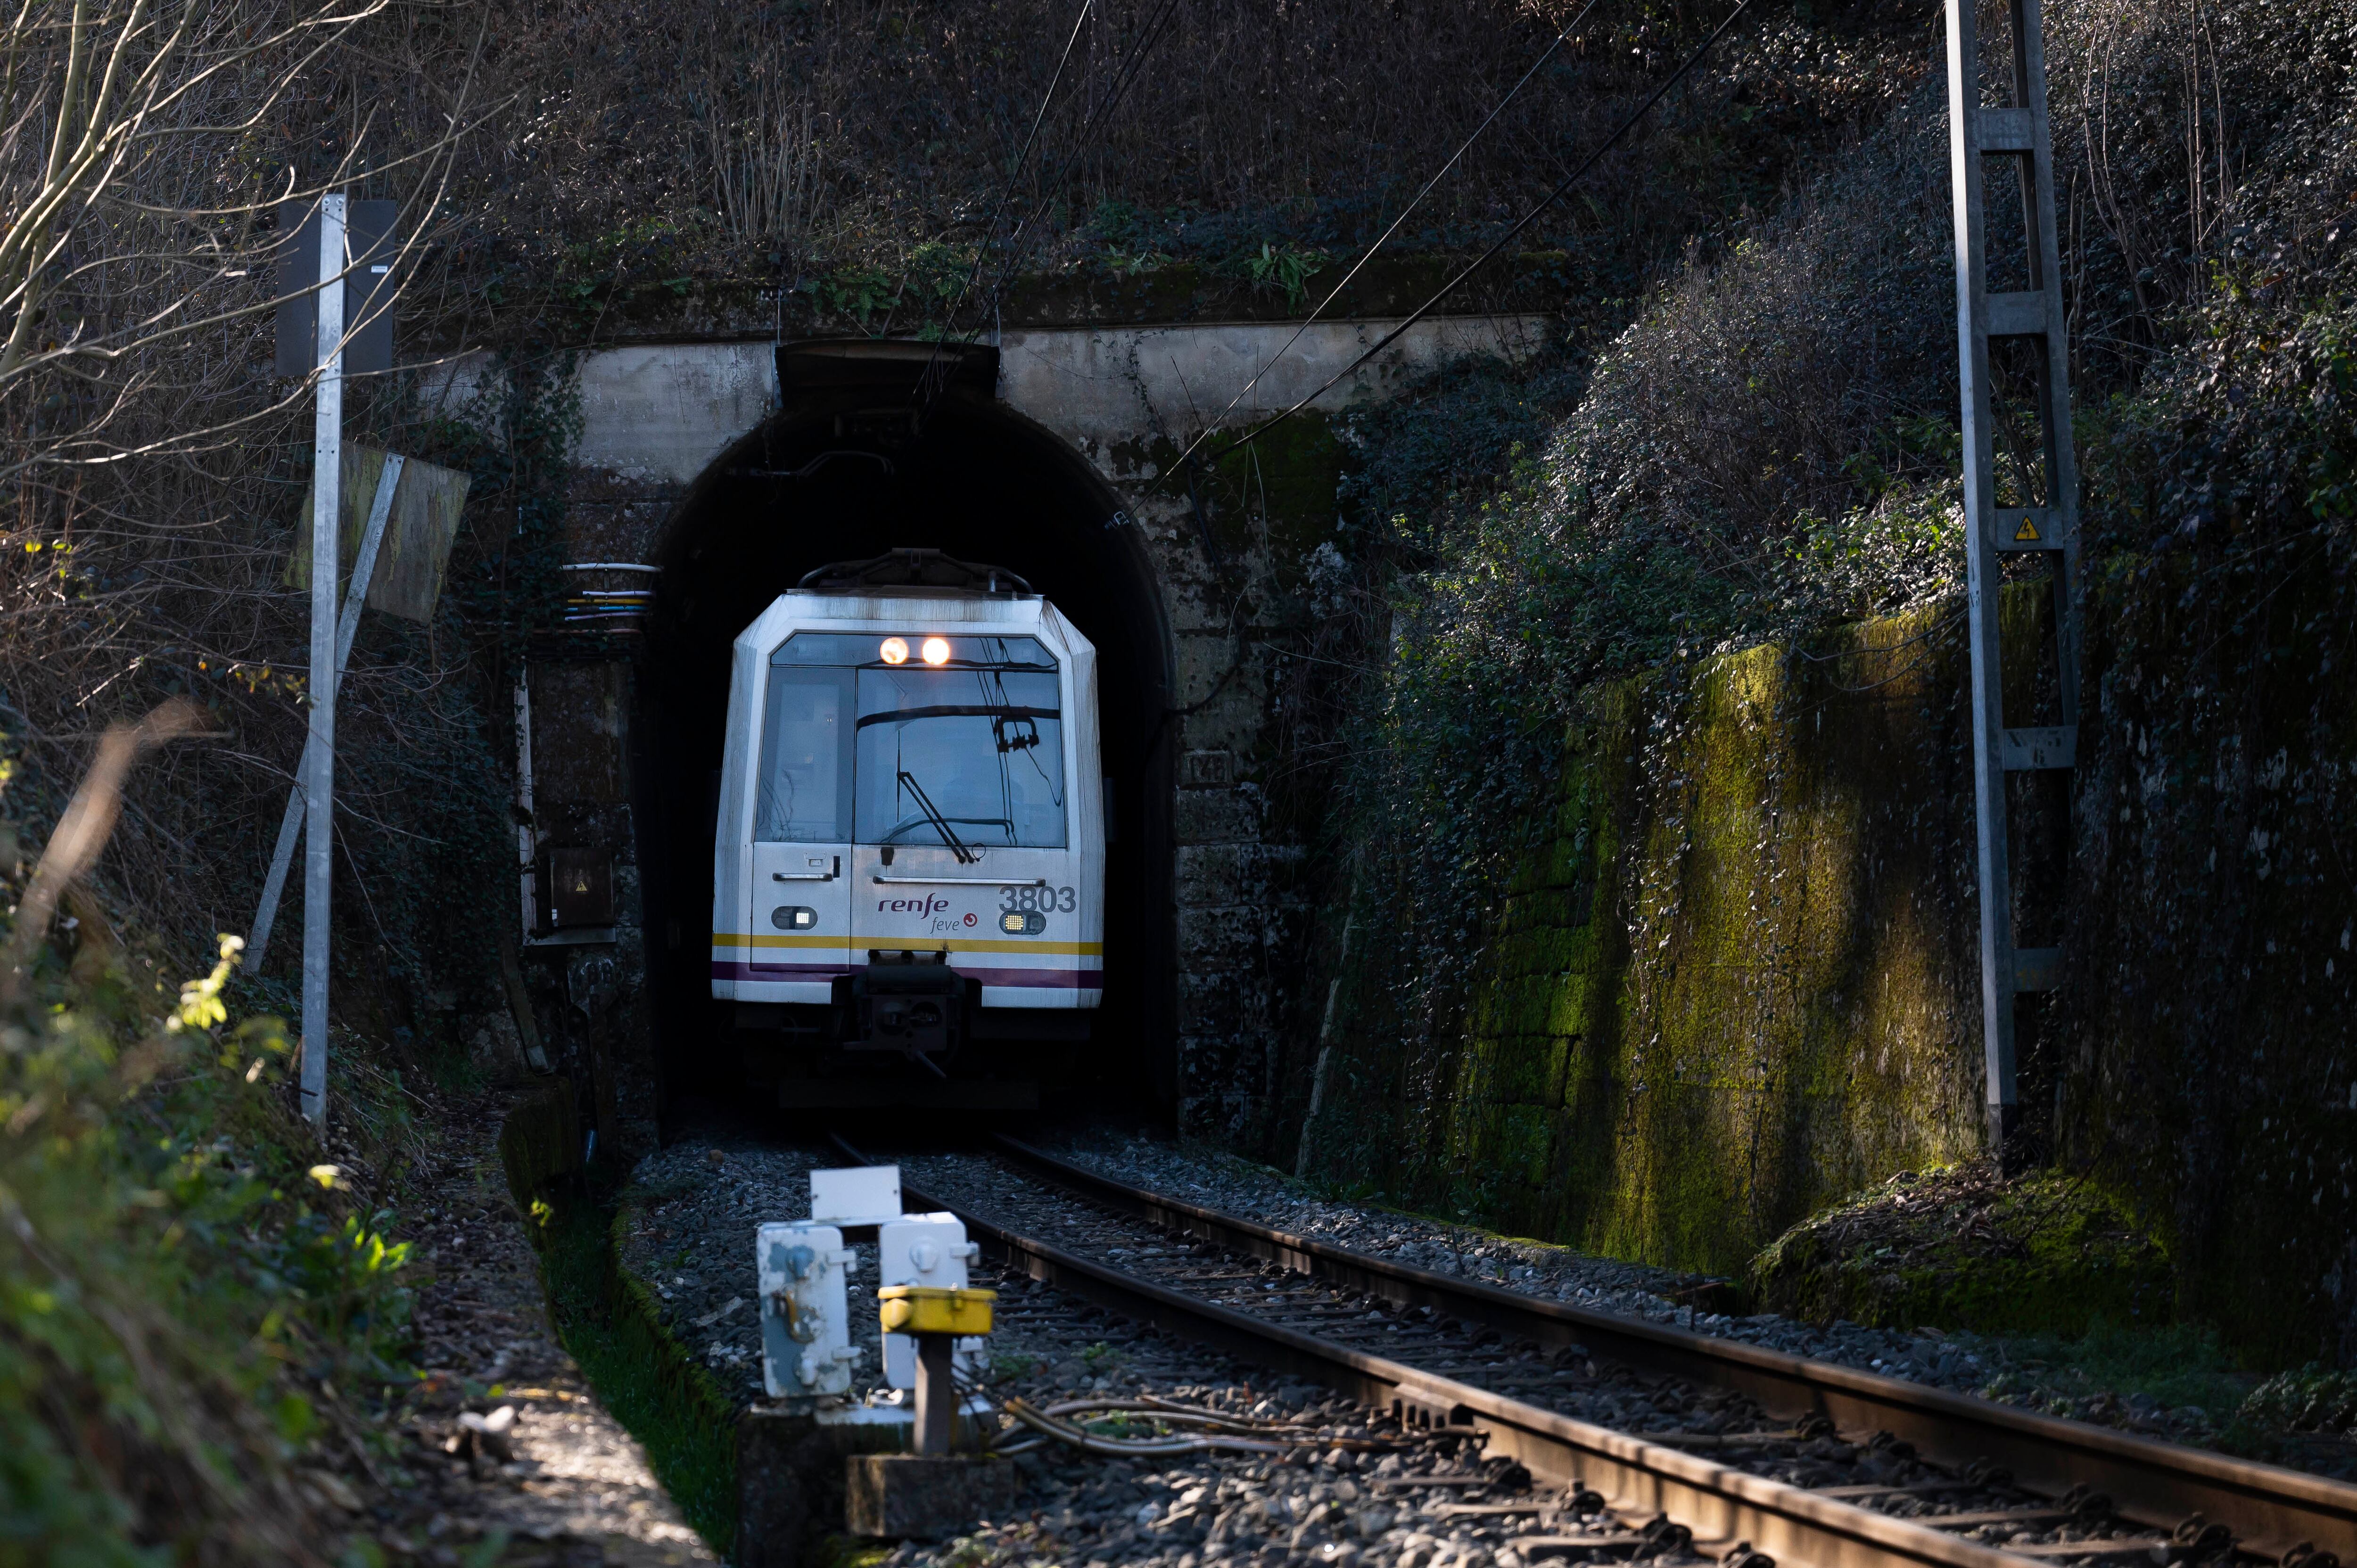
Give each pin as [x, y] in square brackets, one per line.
[857, 460]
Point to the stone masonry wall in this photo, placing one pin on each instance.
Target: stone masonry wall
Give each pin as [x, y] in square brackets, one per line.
[1737, 977]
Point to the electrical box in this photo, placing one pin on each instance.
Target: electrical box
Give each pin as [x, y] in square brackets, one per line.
[806, 1349]
[577, 889]
[960, 1313]
[930, 1251]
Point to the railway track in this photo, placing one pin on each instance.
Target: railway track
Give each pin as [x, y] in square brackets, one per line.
[1810, 1463]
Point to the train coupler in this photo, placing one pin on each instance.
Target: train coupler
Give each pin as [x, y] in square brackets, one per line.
[908, 1001]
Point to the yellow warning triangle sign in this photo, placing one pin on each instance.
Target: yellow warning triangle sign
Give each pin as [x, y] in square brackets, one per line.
[2027, 533]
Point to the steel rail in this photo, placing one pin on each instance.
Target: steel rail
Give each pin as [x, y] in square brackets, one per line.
[2269, 1509]
[1719, 1504]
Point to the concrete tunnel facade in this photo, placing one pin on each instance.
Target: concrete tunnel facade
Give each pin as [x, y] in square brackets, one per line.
[713, 473]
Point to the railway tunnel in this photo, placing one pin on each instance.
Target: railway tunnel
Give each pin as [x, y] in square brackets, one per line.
[863, 456]
[710, 475]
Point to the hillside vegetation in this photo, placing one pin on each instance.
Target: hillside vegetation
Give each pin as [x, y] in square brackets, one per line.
[1772, 444]
[191, 1292]
[909, 169]
[1767, 450]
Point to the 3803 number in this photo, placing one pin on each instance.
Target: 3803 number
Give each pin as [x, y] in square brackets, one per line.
[1044, 899]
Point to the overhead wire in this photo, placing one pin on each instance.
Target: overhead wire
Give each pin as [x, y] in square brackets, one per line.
[1523, 222]
[1154, 30]
[930, 384]
[1562, 35]
[1007, 196]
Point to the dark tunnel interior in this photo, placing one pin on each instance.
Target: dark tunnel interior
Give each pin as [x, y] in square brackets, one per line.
[858, 464]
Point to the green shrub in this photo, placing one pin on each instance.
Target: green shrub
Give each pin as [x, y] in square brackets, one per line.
[2313, 1399]
[183, 1289]
[1960, 1247]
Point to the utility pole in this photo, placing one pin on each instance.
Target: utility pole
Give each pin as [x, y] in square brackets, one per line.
[319, 751]
[325, 329]
[2015, 134]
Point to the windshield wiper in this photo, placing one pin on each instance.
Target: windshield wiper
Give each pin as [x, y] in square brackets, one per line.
[995, 711]
[941, 824]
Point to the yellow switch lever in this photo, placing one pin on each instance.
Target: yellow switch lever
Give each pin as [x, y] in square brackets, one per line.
[935, 1309]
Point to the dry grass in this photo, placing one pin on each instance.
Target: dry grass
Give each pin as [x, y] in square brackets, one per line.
[154, 464]
[816, 134]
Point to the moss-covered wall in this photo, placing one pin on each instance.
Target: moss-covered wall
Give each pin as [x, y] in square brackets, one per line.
[2211, 1065]
[1729, 983]
[1736, 978]
[1755, 1007]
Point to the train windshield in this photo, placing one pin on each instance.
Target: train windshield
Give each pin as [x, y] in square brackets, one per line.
[954, 740]
[805, 790]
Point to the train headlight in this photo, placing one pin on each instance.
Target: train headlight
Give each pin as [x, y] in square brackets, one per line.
[895, 651]
[1023, 922]
[937, 650]
[794, 918]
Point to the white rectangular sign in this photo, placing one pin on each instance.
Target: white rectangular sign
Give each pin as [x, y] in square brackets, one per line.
[861, 1194]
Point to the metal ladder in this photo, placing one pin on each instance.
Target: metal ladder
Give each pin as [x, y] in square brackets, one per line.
[2018, 133]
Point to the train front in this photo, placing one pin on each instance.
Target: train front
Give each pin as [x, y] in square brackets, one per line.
[909, 855]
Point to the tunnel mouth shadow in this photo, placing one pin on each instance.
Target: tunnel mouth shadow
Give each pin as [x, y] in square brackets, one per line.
[862, 459]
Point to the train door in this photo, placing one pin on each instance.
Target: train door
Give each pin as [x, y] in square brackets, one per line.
[801, 894]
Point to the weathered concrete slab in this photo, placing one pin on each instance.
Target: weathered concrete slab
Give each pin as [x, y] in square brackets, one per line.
[665, 410]
[789, 1476]
[896, 1497]
[660, 413]
[1116, 383]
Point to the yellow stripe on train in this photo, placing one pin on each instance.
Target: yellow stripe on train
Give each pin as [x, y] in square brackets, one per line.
[930, 944]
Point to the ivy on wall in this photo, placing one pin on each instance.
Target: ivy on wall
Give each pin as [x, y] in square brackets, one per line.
[517, 442]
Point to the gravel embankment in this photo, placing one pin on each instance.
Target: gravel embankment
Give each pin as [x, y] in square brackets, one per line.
[1962, 1362]
[687, 1231]
[1339, 1508]
[1567, 1379]
[1363, 1494]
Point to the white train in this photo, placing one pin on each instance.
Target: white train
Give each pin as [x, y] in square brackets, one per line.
[910, 841]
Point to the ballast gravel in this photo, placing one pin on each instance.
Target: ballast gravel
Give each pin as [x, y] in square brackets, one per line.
[1964, 1363]
[1352, 1488]
[687, 1232]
